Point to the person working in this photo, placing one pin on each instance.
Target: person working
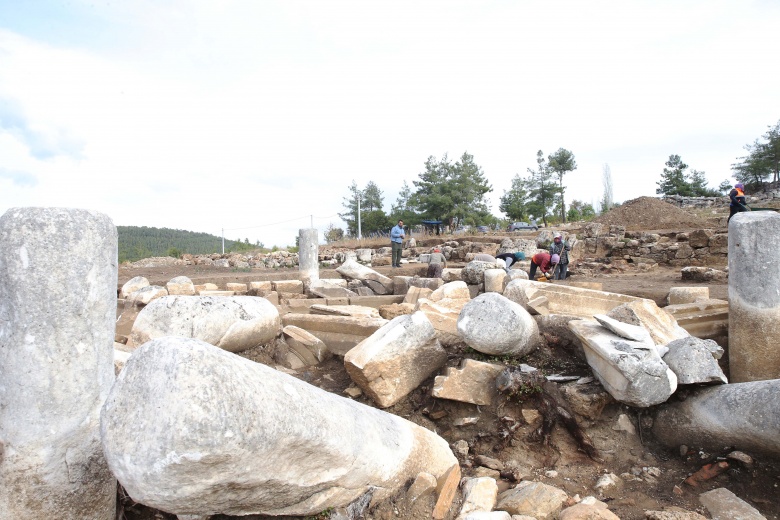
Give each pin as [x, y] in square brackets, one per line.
[561, 248]
[510, 259]
[543, 261]
[397, 236]
[738, 202]
[435, 264]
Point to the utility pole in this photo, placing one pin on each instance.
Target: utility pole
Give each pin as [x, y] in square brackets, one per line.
[223, 241]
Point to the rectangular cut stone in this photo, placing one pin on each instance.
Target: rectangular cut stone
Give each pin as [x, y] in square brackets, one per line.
[237, 288]
[376, 300]
[260, 288]
[217, 293]
[574, 301]
[443, 315]
[451, 275]
[415, 293]
[326, 289]
[706, 319]
[678, 295]
[288, 286]
[474, 382]
[339, 333]
[272, 297]
[495, 280]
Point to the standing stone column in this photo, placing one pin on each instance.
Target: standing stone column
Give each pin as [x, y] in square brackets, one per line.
[308, 255]
[754, 296]
[58, 279]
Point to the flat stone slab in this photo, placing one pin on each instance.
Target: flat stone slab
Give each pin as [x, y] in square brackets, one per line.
[563, 299]
[474, 382]
[624, 330]
[339, 333]
[722, 504]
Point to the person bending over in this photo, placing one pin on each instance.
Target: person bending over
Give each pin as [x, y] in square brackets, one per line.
[545, 262]
[510, 259]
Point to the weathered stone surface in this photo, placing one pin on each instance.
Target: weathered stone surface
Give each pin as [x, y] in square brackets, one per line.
[588, 509]
[678, 295]
[743, 415]
[423, 485]
[587, 400]
[487, 515]
[306, 346]
[493, 324]
[394, 360]
[308, 255]
[625, 330]
[327, 289]
[474, 382]
[180, 285]
[694, 360]
[132, 285]
[352, 270]
[263, 288]
[443, 315]
[120, 359]
[534, 499]
[58, 280]
[234, 323]
[479, 494]
[394, 310]
[632, 372]
[451, 275]
[495, 280]
[446, 487]
[285, 447]
[452, 290]
[539, 306]
[565, 299]
[474, 272]
[706, 319]
[754, 296]
[673, 513]
[208, 286]
[239, 289]
[661, 325]
[415, 293]
[288, 286]
[339, 333]
[702, 274]
[722, 504]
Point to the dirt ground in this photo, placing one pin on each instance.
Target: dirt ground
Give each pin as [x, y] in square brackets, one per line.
[652, 475]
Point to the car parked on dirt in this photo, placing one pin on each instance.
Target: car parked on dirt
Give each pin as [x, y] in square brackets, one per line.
[522, 226]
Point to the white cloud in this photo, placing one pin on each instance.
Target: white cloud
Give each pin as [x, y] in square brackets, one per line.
[203, 115]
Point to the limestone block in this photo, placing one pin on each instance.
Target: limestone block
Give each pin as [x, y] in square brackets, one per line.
[363, 255]
[474, 382]
[495, 280]
[493, 324]
[180, 285]
[743, 415]
[539, 306]
[124, 324]
[216, 293]
[587, 400]
[206, 287]
[702, 274]
[58, 289]
[662, 326]
[263, 288]
[120, 359]
[443, 315]
[395, 359]
[595, 286]
[517, 274]
[327, 289]
[354, 271]
[625, 330]
[533, 499]
[588, 509]
[451, 290]
[234, 323]
[308, 255]
[678, 295]
[479, 494]
[288, 286]
[706, 319]
[487, 515]
[694, 361]
[239, 289]
[415, 293]
[564, 299]
[144, 295]
[632, 372]
[474, 272]
[451, 275]
[394, 310]
[344, 310]
[423, 485]
[700, 237]
[722, 504]
[673, 513]
[133, 285]
[305, 346]
[339, 333]
[191, 429]
[446, 487]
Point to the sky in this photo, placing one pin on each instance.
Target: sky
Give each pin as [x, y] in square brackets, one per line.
[254, 117]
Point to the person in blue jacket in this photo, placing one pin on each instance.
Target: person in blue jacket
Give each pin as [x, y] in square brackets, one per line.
[397, 236]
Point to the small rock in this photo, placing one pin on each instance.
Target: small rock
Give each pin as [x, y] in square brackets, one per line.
[551, 474]
[624, 424]
[607, 481]
[722, 504]
[461, 448]
[741, 456]
[465, 421]
[353, 392]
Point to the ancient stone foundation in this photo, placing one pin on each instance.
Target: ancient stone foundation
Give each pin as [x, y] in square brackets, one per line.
[58, 277]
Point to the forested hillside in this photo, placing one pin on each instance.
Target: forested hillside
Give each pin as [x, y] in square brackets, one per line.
[136, 243]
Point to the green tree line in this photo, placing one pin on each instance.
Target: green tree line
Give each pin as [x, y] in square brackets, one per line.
[137, 242]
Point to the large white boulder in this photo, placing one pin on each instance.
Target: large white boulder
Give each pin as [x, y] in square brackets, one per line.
[493, 324]
[180, 285]
[233, 323]
[193, 430]
[132, 285]
[394, 360]
[58, 279]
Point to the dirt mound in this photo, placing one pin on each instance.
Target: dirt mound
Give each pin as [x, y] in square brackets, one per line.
[649, 213]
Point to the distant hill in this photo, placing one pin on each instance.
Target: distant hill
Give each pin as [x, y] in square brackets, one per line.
[136, 243]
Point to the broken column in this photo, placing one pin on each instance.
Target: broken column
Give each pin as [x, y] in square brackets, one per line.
[58, 278]
[308, 255]
[754, 296]
[191, 429]
[743, 415]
